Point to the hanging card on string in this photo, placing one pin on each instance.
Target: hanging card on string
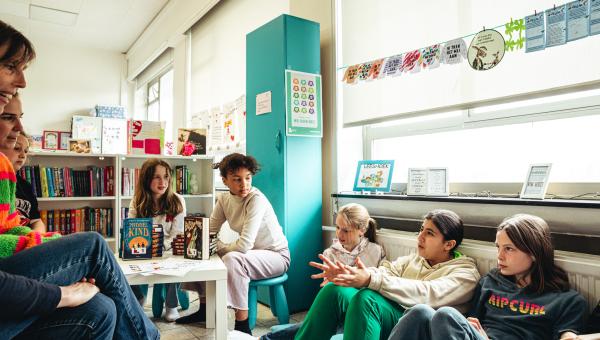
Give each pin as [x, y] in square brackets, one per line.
[556, 26]
[535, 39]
[454, 51]
[577, 20]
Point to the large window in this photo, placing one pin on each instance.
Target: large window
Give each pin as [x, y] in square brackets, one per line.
[496, 144]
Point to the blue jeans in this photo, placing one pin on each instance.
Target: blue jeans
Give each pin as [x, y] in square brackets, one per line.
[423, 322]
[114, 313]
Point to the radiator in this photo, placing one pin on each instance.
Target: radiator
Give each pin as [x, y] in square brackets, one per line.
[583, 269]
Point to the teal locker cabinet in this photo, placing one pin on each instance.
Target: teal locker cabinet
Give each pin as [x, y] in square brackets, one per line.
[291, 166]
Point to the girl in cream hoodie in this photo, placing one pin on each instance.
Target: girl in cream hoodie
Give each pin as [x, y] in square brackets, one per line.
[369, 301]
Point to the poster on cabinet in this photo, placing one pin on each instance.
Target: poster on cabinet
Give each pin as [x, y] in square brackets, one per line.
[304, 113]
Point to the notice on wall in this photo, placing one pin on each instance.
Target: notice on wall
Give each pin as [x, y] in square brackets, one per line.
[594, 17]
[556, 26]
[263, 103]
[535, 39]
[577, 20]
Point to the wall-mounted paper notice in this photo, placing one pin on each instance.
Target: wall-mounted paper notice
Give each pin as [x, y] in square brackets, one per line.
[263, 103]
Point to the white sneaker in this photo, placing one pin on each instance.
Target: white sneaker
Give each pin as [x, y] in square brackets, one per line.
[171, 314]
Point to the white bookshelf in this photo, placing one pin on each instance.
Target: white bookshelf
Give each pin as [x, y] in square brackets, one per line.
[201, 166]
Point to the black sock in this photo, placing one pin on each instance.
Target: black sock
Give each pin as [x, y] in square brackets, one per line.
[243, 326]
[199, 316]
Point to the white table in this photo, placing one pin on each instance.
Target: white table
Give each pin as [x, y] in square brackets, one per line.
[214, 272]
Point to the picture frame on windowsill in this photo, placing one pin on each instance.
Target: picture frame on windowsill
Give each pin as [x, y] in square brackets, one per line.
[536, 182]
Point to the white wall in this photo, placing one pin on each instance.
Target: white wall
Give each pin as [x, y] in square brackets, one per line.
[66, 80]
[218, 65]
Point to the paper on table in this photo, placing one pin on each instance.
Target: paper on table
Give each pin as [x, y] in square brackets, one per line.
[169, 267]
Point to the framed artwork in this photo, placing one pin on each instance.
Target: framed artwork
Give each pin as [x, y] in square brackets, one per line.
[51, 140]
[536, 181]
[80, 145]
[374, 175]
[437, 182]
[417, 182]
[63, 140]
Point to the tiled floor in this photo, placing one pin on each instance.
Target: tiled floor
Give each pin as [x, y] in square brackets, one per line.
[172, 331]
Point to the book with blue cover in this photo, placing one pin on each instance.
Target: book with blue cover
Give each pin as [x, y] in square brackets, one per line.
[136, 239]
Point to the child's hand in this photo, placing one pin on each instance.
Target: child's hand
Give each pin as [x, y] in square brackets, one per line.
[357, 277]
[330, 270]
[474, 322]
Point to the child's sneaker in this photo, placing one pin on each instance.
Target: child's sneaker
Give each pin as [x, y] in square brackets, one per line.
[171, 314]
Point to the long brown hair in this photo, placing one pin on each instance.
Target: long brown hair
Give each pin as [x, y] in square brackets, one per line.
[531, 235]
[358, 217]
[169, 204]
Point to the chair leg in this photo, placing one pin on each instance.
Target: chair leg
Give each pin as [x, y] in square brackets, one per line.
[252, 307]
[272, 300]
[281, 306]
[158, 300]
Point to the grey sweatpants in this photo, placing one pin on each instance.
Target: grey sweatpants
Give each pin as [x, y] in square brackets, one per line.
[243, 267]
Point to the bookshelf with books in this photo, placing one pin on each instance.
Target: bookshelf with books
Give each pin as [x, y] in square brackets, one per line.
[90, 192]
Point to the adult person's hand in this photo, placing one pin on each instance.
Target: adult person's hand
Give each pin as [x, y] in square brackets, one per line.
[329, 269]
[77, 294]
[356, 277]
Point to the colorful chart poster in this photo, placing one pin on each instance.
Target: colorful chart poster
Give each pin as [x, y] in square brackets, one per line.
[556, 26]
[534, 33]
[486, 50]
[454, 51]
[577, 20]
[594, 17]
[304, 114]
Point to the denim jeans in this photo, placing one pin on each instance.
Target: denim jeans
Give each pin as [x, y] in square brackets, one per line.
[114, 313]
[424, 322]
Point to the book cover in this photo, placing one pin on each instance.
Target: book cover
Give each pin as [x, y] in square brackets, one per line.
[195, 243]
[88, 128]
[191, 142]
[137, 238]
[146, 137]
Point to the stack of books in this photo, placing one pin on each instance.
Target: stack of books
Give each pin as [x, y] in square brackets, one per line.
[158, 238]
[177, 244]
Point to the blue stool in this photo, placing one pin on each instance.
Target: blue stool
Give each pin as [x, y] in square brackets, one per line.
[277, 300]
[158, 298]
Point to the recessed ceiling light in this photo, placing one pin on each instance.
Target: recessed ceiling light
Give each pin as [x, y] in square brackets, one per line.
[52, 15]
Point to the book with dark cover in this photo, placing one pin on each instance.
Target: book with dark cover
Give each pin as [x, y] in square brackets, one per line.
[196, 238]
[137, 238]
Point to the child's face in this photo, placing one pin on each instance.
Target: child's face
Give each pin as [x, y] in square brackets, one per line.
[10, 124]
[239, 182]
[160, 180]
[431, 243]
[347, 235]
[18, 155]
[511, 260]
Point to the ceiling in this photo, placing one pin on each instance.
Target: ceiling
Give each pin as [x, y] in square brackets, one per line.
[112, 25]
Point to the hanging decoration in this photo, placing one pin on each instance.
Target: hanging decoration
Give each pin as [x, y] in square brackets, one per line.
[486, 50]
[578, 19]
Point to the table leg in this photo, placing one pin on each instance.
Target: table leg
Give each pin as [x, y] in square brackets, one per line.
[210, 304]
[221, 310]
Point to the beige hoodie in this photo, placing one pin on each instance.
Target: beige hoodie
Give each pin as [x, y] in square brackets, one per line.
[410, 280]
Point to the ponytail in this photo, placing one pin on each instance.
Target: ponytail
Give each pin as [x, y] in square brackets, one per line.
[371, 230]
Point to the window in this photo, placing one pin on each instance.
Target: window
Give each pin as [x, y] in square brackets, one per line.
[159, 101]
[497, 144]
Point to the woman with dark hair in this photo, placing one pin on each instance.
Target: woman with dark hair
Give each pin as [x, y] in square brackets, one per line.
[69, 288]
[154, 197]
[369, 301]
[260, 252]
[526, 297]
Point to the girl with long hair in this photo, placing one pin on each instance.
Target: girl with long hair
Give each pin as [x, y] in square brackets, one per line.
[154, 197]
